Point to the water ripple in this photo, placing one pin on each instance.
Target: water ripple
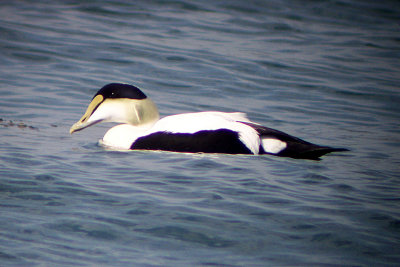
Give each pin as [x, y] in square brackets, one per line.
[325, 71]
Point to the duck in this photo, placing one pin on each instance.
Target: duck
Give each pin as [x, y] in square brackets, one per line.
[141, 128]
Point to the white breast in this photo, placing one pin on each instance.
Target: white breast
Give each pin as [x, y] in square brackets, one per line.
[122, 136]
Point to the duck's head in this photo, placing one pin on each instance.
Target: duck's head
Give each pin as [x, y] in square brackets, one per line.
[117, 102]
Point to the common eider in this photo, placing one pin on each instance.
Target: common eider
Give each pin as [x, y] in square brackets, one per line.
[201, 132]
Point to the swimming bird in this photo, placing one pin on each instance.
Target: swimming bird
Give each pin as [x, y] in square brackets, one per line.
[200, 132]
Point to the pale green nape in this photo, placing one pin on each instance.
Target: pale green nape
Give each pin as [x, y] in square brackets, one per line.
[145, 112]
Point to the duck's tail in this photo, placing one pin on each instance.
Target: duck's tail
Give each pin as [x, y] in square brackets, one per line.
[308, 151]
[291, 146]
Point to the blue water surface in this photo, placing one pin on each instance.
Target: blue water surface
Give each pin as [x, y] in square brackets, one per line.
[325, 71]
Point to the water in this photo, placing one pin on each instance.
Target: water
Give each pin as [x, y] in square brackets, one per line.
[326, 71]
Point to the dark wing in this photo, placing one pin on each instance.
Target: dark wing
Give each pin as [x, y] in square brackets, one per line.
[296, 147]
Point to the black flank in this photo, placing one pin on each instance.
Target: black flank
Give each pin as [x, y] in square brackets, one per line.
[207, 141]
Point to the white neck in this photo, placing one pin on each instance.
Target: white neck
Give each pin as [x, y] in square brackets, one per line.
[130, 111]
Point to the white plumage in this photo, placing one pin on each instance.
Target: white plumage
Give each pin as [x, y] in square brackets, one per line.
[122, 136]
